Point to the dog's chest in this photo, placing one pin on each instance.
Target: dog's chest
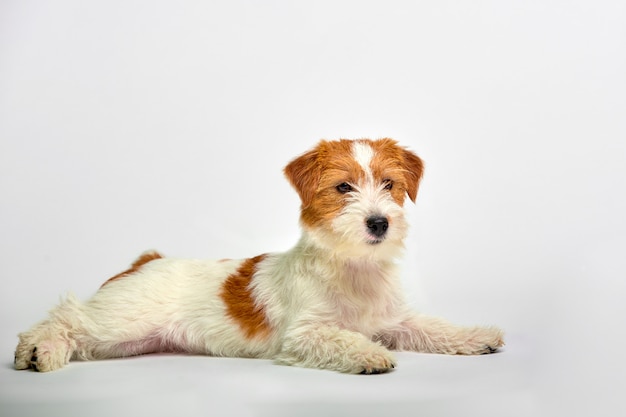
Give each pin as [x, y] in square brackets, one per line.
[363, 298]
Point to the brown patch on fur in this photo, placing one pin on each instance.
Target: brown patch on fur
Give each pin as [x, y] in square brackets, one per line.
[398, 164]
[304, 175]
[142, 260]
[317, 173]
[240, 304]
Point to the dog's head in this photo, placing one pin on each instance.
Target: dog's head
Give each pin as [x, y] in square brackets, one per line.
[352, 194]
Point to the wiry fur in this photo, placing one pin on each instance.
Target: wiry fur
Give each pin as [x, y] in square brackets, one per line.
[333, 301]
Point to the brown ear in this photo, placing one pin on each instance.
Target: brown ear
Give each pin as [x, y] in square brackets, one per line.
[413, 171]
[304, 174]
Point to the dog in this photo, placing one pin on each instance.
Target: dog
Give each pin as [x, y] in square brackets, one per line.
[331, 302]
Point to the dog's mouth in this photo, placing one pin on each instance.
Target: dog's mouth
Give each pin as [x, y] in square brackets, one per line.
[371, 240]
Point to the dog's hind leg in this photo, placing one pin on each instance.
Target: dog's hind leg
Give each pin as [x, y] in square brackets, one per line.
[50, 344]
[126, 317]
[87, 331]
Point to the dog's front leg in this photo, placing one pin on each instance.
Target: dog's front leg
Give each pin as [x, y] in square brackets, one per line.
[420, 333]
[330, 347]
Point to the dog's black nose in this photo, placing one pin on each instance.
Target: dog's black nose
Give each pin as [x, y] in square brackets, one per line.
[377, 225]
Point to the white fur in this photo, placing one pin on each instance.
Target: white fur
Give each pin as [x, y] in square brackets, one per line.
[333, 301]
[363, 154]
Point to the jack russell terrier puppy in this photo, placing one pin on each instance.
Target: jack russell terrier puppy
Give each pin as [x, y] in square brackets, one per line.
[333, 301]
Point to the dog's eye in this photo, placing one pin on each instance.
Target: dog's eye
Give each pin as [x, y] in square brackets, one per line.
[388, 184]
[344, 187]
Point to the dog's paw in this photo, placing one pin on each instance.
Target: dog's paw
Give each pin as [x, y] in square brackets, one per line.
[375, 360]
[23, 355]
[376, 371]
[482, 340]
[50, 356]
[45, 356]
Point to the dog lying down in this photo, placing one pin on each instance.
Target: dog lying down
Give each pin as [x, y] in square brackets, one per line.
[333, 301]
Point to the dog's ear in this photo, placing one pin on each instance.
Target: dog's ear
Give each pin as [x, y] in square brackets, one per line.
[413, 171]
[304, 174]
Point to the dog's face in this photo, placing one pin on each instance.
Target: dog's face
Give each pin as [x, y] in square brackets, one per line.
[352, 194]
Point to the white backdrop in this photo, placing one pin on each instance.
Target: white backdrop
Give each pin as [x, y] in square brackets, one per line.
[128, 125]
